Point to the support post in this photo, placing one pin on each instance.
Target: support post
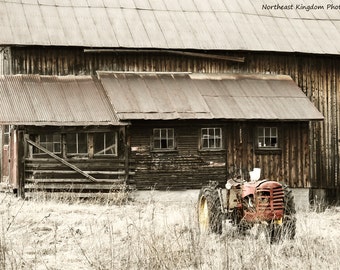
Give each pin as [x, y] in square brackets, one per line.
[21, 163]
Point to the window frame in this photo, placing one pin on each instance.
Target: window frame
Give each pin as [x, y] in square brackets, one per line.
[215, 138]
[44, 143]
[262, 137]
[115, 144]
[77, 153]
[161, 139]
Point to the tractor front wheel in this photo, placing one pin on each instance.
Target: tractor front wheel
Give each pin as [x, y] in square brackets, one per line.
[209, 211]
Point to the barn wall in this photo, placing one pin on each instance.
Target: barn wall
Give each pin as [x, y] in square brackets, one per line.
[317, 75]
[189, 167]
[183, 168]
[289, 163]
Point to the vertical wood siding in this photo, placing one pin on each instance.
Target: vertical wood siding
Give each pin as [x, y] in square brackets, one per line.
[188, 166]
[317, 75]
[185, 167]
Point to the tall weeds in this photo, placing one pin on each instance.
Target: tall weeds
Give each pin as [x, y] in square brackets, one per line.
[51, 234]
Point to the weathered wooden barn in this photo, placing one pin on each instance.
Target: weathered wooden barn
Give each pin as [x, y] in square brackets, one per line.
[66, 37]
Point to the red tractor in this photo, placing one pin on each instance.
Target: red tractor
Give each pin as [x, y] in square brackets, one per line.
[246, 203]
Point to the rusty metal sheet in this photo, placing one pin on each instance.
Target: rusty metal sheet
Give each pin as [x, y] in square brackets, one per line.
[53, 100]
[204, 96]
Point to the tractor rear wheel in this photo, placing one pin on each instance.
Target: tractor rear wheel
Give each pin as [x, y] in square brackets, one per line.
[209, 210]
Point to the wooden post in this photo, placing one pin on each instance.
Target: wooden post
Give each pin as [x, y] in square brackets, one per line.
[21, 163]
[126, 154]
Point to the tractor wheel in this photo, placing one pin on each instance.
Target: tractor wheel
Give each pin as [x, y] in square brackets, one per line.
[209, 211]
[289, 219]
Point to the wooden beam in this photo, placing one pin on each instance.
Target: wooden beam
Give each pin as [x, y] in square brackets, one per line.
[185, 53]
[62, 160]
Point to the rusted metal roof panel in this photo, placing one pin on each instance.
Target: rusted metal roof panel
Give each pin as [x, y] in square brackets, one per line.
[159, 96]
[54, 100]
[258, 25]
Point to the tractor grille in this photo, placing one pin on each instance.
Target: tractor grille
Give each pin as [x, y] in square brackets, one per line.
[270, 198]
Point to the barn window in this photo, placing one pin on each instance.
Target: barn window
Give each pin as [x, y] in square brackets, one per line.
[76, 143]
[267, 137]
[51, 142]
[163, 139]
[105, 143]
[211, 138]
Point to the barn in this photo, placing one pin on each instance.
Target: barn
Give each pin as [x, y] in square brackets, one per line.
[226, 73]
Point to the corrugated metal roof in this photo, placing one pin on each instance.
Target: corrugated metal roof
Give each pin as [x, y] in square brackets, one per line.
[166, 96]
[54, 100]
[306, 26]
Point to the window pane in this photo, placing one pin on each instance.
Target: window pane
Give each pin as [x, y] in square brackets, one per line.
[56, 148]
[156, 133]
[170, 143]
[82, 142]
[165, 140]
[109, 143]
[273, 142]
[163, 133]
[218, 143]
[105, 143]
[267, 137]
[98, 143]
[267, 132]
[71, 143]
[205, 143]
[274, 132]
[211, 138]
[157, 144]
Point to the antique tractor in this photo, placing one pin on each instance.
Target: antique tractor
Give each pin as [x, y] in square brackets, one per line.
[269, 204]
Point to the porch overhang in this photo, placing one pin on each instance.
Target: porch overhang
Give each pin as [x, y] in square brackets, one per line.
[170, 96]
[35, 100]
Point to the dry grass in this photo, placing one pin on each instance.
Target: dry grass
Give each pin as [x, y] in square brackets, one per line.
[72, 234]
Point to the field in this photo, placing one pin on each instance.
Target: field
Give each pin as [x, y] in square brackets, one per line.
[150, 233]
